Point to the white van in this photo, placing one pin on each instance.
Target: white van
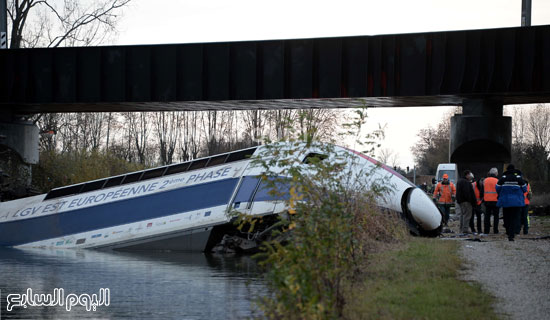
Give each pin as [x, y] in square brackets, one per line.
[448, 168]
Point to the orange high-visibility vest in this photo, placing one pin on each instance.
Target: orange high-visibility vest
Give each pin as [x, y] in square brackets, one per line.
[525, 194]
[476, 191]
[446, 192]
[490, 189]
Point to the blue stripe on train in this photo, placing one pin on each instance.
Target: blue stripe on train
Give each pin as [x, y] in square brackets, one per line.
[117, 213]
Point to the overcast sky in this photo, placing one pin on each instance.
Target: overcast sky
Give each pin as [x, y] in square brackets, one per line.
[185, 21]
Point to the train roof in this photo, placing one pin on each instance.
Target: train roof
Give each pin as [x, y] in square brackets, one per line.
[153, 173]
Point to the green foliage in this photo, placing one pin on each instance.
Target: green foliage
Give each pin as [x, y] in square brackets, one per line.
[58, 169]
[332, 226]
[418, 281]
[331, 238]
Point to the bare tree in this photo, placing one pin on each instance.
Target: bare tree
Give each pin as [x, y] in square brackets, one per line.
[190, 141]
[388, 156]
[167, 132]
[254, 124]
[109, 122]
[48, 125]
[318, 123]
[531, 140]
[519, 129]
[216, 126]
[538, 125]
[90, 128]
[138, 135]
[280, 121]
[54, 23]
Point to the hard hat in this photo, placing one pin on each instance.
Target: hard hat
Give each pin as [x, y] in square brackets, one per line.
[445, 176]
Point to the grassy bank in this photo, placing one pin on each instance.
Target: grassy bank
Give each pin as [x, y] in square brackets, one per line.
[418, 280]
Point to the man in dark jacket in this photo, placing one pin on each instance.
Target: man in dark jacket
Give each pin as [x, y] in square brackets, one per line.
[511, 188]
[466, 199]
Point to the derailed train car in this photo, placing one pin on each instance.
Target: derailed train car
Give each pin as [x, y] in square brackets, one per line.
[178, 207]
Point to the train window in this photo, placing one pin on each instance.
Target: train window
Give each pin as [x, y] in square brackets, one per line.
[94, 185]
[177, 168]
[115, 181]
[198, 164]
[313, 158]
[246, 190]
[241, 155]
[62, 192]
[217, 160]
[133, 177]
[155, 173]
[273, 190]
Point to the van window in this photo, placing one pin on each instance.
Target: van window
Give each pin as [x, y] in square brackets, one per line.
[451, 173]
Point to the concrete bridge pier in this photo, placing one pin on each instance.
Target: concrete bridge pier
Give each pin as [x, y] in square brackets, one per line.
[19, 148]
[481, 138]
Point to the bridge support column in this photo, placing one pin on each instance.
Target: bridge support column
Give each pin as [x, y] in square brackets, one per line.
[481, 138]
[19, 149]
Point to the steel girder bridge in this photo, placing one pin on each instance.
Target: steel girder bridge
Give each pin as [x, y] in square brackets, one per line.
[480, 70]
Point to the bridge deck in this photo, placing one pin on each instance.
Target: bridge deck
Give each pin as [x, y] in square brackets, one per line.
[511, 65]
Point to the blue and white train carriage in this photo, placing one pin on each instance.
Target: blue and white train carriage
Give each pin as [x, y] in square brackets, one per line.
[176, 207]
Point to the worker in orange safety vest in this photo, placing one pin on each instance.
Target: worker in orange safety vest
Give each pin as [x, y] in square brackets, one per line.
[444, 194]
[524, 218]
[490, 197]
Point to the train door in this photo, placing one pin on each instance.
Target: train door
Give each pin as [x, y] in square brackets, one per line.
[256, 196]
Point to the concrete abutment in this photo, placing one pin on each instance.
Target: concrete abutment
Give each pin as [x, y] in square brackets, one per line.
[481, 137]
[19, 145]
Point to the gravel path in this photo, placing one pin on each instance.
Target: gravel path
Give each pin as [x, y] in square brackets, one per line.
[517, 273]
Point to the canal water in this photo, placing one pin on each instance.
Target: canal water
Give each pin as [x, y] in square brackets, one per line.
[140, 285]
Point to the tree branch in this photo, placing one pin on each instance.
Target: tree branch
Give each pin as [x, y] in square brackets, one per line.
[54, 11]
[97, 15]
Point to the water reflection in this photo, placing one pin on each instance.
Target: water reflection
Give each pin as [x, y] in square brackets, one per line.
[142, 285]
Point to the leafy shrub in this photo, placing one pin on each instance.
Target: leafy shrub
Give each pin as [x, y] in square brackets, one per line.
[332, 226]
[309, 276]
